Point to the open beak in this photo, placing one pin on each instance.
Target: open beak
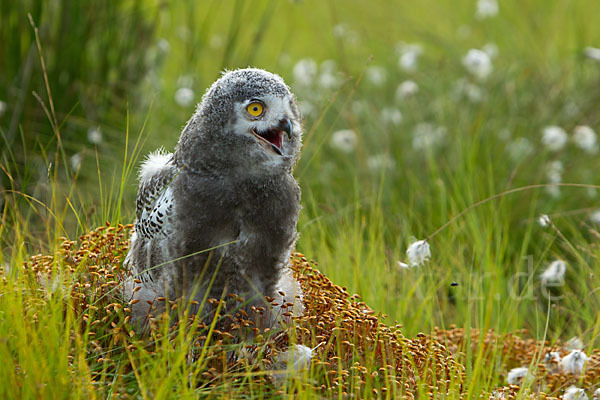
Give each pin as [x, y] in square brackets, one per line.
[273, 138]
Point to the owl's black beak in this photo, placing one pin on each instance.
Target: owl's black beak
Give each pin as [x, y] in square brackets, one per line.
[285, 125]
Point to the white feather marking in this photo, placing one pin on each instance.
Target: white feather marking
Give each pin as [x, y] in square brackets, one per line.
[287, 290]
[156, 220]
[292, 292]
[153, 163]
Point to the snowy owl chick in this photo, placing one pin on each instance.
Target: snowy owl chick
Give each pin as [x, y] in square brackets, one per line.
[224, 204]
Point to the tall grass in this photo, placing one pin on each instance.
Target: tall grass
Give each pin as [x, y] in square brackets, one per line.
[359, 214]
[91, 71]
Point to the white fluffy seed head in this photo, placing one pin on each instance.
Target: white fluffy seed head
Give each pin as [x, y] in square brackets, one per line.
[94, 135]
[305, 72]
[406, 89]
[596, 395]
[516, 376]
[574, 393]
[595, 216]
[486, 9]
[544, 221]
[376, 75]
[585, 138]
[409, 56]
[344, 140]
[478, 63]
[184, 96]
[574, 362]
[554, 137]
[418, 253]
[593, 53]
[329, 77]
[75, 161]
[554, 273]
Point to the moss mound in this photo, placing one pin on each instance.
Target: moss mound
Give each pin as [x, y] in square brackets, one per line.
[355, 354]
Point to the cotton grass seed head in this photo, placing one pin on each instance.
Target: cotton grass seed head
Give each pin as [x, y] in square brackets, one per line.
[184, 96]
[554, 137]
[574, 393]
[329, 77]
[418, 253]
[517, 376]
[574, 362]
[94, 135]
[328, 80]
[596, 395]
[593, 53]
[595, 216]
[544, 221]
[478, 63]
[403, 265]
[406, 89]
[75, 161]
[486, 9]
[376, 75]
[305, 72]
[585, 138]
[409, 56]
[344, 140]
[554, 273]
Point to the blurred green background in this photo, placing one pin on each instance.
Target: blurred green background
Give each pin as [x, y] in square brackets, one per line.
[405, 126]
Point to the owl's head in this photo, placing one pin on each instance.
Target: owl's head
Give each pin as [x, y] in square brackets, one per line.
[247, 118]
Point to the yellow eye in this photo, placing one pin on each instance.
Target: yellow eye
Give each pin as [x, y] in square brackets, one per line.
[255, 109]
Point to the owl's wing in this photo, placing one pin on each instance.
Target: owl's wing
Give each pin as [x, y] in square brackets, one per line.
[155, 203]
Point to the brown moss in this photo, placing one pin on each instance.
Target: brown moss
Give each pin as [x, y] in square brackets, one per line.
[356, 354]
